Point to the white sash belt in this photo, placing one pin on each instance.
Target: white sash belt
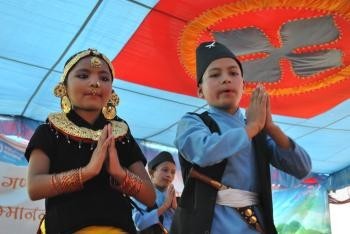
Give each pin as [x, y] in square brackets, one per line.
[236, 198]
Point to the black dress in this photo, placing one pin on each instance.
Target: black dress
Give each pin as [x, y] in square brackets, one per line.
[98, 203]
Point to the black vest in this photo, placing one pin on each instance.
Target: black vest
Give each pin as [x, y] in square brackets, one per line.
[195, 212]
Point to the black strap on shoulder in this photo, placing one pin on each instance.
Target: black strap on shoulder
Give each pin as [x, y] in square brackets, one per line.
[212, 125]
[214, 171]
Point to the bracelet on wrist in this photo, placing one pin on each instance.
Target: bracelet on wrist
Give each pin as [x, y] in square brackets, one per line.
[130, 185]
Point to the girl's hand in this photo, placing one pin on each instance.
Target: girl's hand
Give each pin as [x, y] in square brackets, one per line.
[112, 163]
[98, 156]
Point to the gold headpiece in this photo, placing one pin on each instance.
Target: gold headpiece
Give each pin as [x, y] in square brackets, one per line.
[83, 54]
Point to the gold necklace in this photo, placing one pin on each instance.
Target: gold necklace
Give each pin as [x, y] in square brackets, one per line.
[62, 124]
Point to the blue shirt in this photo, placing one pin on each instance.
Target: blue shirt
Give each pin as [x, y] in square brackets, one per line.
[198, 145]
[147, 219]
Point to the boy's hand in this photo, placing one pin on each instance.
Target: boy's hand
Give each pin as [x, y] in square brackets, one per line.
[269, 124]
[168, 202]
[256, 112]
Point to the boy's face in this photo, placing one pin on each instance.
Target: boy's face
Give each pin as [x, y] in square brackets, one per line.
[163, 175]
[222, 85]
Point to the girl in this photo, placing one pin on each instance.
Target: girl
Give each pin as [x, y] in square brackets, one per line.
[84, 160]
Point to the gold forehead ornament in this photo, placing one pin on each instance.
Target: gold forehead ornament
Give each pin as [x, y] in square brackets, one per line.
[95, 62]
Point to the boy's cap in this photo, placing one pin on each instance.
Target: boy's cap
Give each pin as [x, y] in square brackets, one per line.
[209, 51]
[163, 156]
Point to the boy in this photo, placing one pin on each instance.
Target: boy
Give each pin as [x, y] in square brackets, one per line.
[155, 220]
[243, 203]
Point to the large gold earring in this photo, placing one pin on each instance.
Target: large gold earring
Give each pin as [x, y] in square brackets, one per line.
[61, 91]
[109, 111]
[66, 106]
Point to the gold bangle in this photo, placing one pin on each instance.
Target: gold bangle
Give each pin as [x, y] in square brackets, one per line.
[54, 183]
[114, 182]
[81, 182]
[69, 181]
[131, 184]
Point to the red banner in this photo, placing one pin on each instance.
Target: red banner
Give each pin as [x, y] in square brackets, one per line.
[161, 53]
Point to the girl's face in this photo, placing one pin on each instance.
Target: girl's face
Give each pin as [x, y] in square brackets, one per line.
[222, 85]
[163, 175]
[89, 86]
